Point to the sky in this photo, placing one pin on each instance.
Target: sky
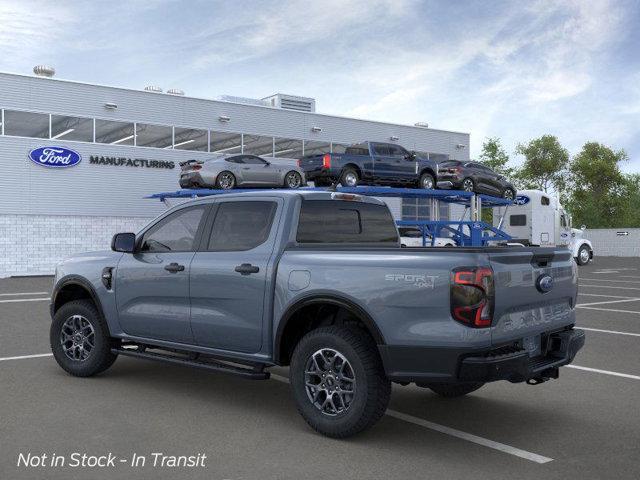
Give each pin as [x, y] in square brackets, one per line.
[514, 70]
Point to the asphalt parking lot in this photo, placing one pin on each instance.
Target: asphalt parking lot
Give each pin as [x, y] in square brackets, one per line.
[584, 425]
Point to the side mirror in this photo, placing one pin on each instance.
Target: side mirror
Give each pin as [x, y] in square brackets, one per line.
[583, 227]
[267, 163]
[123, 242]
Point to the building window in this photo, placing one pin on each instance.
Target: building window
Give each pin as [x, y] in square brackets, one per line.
[190, 139]
[287, 148]
[72, 128]
[26, 124]
[420, 209]
[316, 148]
[258, 145]
[157, 136]
[114, 133]
[224, 142]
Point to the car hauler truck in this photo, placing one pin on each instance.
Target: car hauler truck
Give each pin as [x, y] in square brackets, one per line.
[537, 219]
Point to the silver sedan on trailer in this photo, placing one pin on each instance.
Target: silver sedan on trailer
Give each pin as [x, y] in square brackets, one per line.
[231, 171]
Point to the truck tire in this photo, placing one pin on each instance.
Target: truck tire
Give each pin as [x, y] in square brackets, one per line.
[584, 255]
[452, 390]
[80, 339]
[338, 381]
[349, 177]
[427, 181]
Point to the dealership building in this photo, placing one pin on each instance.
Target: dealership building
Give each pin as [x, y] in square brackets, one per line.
[129, 144]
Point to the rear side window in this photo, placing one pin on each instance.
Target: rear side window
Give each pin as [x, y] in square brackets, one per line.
[357, 150]
[338, 221]
[241, 226]
[517, 220]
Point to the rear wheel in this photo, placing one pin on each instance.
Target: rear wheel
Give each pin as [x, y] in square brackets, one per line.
[80, 339]
[468, 185]
[338, 381]
[584, 255]
[349, 178]
[427, 181]
[452, 390]
[293, 180]
[225, 181]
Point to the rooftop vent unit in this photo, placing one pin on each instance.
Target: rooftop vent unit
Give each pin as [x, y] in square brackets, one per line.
[175, 91]
[153, 88]
[291, 102]
[44, 71]
[422, 124]
[244, 100]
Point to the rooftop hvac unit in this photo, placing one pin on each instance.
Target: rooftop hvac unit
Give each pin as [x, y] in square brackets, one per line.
[175, 91]
[44, 71]
[292, 102]
[153, 88]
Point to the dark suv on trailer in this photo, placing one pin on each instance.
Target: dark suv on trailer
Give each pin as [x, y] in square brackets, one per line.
[474, 177]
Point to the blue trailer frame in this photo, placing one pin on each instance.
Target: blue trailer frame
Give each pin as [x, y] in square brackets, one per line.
[478, 233]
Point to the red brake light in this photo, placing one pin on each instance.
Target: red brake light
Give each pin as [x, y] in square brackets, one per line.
[196, 167]
[472, 296]
[299, 163]
[326, 161]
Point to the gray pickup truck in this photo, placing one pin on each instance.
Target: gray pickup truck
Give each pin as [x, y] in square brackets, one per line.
[317, 281]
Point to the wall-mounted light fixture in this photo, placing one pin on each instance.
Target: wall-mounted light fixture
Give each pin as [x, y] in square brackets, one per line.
[461, 146]
[224, 118]
[394, 138]
[316, 129]
[111, 106]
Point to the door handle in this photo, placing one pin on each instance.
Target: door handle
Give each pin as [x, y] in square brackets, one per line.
[247, 269]
[174, 268]
[246, 168]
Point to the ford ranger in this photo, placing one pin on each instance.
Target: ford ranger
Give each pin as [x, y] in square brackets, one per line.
[371, 163]
[317, 281]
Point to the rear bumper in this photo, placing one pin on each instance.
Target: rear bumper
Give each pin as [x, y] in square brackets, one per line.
[320, 174]
[424, 365]
[449, 184]
[191, 180]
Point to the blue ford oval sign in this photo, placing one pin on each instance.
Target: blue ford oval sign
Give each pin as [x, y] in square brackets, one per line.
[521, 200]
[56, 157]
[544, 283]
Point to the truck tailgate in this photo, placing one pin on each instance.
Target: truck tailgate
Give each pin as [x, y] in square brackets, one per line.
[535, 293]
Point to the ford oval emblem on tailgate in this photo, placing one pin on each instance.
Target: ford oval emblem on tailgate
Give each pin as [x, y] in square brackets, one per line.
[544, 283]
[56, 157]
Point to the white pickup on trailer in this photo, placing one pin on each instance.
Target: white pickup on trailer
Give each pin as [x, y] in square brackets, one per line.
[538, 219]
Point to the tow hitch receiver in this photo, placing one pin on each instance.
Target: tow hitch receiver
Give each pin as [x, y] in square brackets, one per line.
[544, 376]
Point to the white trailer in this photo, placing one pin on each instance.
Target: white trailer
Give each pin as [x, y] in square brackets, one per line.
[538, 219]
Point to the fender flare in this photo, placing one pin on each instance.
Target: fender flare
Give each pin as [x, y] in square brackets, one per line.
[78, 281]
[331, 299]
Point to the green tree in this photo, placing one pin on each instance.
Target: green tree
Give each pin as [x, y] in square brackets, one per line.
[545, 165]
[600, 193]
[495, 157]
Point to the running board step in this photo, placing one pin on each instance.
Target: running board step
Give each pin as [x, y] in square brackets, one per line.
[214, 365]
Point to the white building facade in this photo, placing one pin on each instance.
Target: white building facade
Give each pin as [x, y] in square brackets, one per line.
[130, 143]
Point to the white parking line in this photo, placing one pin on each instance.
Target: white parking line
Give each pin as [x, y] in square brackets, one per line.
[607, 280]
[606, 372]
[601, 295]
[22, 293]
[610, 331]
[23, 357]
[608, 309]
[16, 300]
[609, 301]
[469, 437]
[609, 286]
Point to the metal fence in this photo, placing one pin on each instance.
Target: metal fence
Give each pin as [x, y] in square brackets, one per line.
[614, 242]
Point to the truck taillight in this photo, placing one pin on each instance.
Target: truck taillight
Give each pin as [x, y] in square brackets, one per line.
[196, 167]
[472, 296]
[326, 161]
[299, 162]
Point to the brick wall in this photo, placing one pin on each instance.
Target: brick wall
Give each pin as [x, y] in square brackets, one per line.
[34, 244]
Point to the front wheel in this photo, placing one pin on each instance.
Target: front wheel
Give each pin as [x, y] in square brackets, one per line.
[293, 180]
[508, 194]
[584, 255]
[452, 390]
[338, 381]
[427, 181]
[80, 339]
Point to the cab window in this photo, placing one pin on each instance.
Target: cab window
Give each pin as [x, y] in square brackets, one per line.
[176, 232]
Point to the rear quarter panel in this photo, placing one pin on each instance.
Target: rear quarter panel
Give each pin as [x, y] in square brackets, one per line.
[406, 293]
